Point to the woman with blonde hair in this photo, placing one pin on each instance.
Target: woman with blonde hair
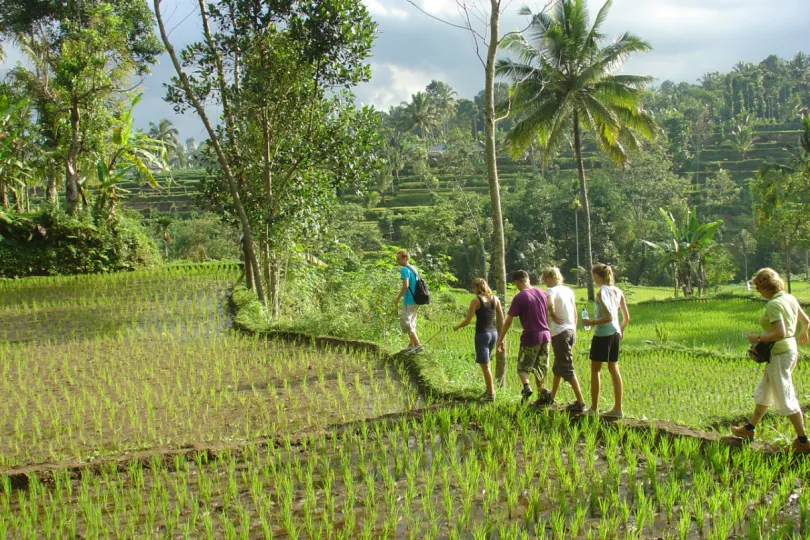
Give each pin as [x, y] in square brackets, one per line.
[607, 334]
[488, 320]
[779, 322]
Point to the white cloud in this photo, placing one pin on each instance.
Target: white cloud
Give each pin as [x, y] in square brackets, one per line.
[380, 8]
[393, 84]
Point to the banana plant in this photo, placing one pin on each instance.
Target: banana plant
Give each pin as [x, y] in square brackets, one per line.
[131, 151]
[686, 250]
[16, 150]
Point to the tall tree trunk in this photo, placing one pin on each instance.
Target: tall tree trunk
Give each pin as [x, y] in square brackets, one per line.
[499, 256]
[788, 253]
[576, 232]
[272, 263]
[51, 193]
[746, 267]
[275, 286]
[249, 281]
[72, 159]
[642, 265]
[4, 195]
[250, 251]
[586, 206]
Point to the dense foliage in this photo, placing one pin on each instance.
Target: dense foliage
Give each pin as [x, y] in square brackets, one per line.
[53, 243]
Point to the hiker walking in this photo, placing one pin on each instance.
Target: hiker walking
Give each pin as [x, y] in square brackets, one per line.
[607, 334]
[562, 310]
[531, 307]
[409, 309]
[778, 322]
[488, 318]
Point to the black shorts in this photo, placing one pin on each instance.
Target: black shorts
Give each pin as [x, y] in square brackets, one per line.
[605, 348]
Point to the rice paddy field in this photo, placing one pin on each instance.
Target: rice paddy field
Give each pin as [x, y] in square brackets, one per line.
[135, 411]
[95, 365]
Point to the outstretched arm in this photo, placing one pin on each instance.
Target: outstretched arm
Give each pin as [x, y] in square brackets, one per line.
[804, 320]
[474, 304]
[402, 292]
[625, 314]
[506, 325]
[498, 316]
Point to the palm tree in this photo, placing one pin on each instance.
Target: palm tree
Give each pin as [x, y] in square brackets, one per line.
[164, 131]
[444, 102]
[564, 83]
[419, 115]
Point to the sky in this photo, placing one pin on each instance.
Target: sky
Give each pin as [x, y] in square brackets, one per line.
[689, 38]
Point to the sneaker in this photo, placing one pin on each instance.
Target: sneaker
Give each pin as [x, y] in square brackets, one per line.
[414, 350]
[486, 397]
[577, 408]
[544, 399]
[526, 393]
[743, 433]
[613, 415]
[800, 447]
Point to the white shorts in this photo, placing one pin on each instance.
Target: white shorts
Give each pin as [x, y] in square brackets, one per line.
[407, 318]
[776, 387]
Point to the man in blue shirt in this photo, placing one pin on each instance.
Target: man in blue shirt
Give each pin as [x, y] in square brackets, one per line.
[409, 309]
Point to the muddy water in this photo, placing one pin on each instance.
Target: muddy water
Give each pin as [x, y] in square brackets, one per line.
[96, 374]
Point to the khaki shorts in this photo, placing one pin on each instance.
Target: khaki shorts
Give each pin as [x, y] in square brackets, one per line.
[534, 360]
[776, 386]
[407, 318]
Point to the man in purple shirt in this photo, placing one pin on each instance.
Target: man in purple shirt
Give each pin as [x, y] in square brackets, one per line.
[531, 306]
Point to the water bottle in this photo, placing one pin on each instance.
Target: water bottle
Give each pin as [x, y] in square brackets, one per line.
[585, 316]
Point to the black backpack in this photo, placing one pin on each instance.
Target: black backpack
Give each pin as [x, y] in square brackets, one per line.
[421, 293]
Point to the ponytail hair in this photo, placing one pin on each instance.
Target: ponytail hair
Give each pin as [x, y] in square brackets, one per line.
[605, 272]
[481, 287]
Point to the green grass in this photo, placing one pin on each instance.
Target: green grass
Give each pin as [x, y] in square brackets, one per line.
[242, 441]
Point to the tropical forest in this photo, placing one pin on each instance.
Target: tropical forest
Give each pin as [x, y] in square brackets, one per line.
[247, 278]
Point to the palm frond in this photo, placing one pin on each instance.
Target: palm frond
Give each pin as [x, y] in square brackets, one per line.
[598, 21]
[516, 71]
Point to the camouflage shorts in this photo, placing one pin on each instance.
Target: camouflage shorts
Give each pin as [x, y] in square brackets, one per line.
[534, 360]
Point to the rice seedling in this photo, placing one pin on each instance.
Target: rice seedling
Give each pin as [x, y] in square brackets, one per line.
[128, 362]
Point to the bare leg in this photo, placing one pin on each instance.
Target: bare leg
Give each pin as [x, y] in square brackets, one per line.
[555, 386]
[797, 420]
[759, 412]
[488, 379]
[524, 377]
[414, 339]
[574, 382]
[596, 369]
[618, 386]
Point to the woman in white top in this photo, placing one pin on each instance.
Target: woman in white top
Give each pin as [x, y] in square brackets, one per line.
[562, 312]
[607, 335]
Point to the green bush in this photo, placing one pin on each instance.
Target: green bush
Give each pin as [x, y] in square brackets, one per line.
[52, 243]
[199, 238]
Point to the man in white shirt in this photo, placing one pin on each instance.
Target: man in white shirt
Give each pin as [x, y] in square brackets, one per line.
[562, 311]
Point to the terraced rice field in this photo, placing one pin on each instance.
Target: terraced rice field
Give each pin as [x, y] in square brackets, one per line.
[136, 412]
[104, 364]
